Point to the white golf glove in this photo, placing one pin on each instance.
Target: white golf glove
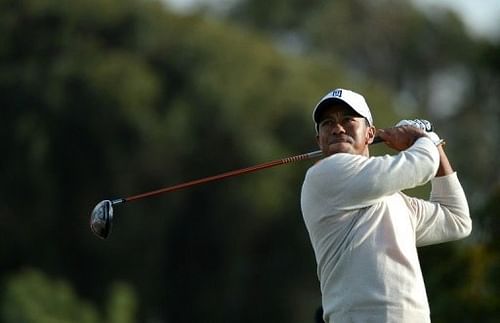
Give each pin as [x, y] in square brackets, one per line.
[423, 125]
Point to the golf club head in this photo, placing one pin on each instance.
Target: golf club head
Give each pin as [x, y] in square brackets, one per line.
[101, 219]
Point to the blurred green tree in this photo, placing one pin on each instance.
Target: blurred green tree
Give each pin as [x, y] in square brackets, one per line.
[31, 296]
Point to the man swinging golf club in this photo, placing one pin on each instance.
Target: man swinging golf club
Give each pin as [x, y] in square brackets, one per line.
[363, 229]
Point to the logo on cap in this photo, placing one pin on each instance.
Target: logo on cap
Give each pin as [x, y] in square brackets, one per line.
[337, 93]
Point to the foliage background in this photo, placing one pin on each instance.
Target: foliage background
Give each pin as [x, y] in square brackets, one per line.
[114, 97]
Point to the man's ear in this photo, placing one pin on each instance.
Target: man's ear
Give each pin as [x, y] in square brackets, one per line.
[370, 134]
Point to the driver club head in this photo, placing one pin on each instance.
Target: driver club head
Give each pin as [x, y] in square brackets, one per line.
[101, 219]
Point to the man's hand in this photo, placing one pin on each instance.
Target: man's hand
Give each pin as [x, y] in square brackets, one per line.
[406, 132]
[400, 137]
[417, 123]
[423, 125]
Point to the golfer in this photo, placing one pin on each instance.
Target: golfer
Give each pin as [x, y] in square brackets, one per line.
[363, 229]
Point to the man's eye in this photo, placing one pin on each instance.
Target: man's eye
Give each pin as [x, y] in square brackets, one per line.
[326, 123]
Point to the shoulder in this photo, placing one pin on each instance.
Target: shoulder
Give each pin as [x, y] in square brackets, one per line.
[340, 160]
[336, 169]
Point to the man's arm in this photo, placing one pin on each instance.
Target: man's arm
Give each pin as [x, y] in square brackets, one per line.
[350, 182]
[395, 139]
[446, 216]
[444, 164]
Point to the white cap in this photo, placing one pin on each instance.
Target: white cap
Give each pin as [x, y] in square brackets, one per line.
[354, 100]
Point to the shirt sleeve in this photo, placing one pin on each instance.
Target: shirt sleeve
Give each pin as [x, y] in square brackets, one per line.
[446, 216]
[346, 182]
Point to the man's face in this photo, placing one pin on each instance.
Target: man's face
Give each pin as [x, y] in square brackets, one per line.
[342, 130]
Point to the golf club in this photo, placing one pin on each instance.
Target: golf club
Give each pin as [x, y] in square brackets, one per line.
[101, 218]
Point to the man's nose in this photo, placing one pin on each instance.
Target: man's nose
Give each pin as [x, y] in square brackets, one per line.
[337, 128]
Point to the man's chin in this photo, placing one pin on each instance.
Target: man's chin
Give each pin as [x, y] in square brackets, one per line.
[339, 147]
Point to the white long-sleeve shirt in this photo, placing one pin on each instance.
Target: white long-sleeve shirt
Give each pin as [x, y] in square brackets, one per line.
[365, 232]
